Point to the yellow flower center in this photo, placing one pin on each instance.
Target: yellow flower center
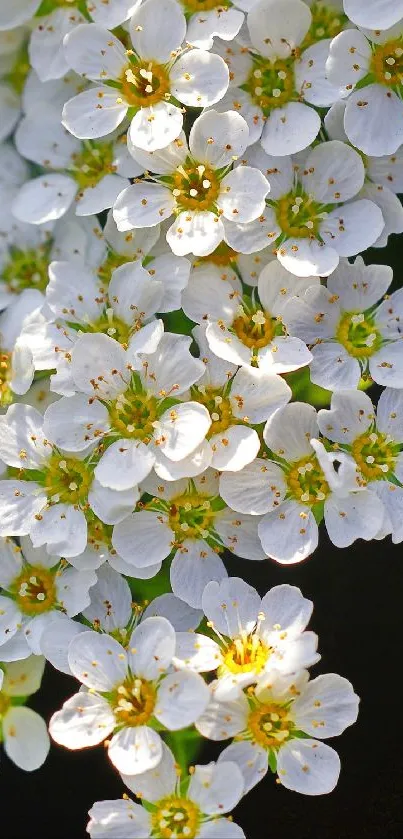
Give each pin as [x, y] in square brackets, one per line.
[114, 260]
[99, 535]
[358, 334]
[191, 516]
[92, 163]
[195, 187]
[67, 480]
[270, 725]
[375, 455]
[223, 256]
[6, 396]
[246, 654]
[255, 329]
[35, 590]
[133, 702]
[298, 216]
[175, 818]
[387, 63]
[271, 84]
[327, 22]
[218, 406]
[144, 84]
[115, 327]
[26, 269]
[133, 415]
[5, 702]
[306, 481]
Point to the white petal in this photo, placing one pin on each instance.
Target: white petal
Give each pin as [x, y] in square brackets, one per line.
[220, 828]
[143, 205]
[234, 448]
[216, 787]
[23, 678]
[155, 127]
[333, 368]
[359, 516]
[19, 504]
[286, 22]
[101, 196]
[74, 422]
[311, 79]
[197, 652]
[182, 429]
[113, 819]
[55, 641]
[151, 648]
[98, 661]
[181, 698]
[124, 464]
[157, 29]
[182, 617]
[308, 766]
[189, 467]
[290, 129]
[239, 100]
[304, 257]
[238, 532]
[195, 233]
[10, 619]
[100, 366]
[111, 601]
[95, 53]
[243, 193]
[161, 161]
[326, 707]
[289, 431]
[135, 750]
[221, 22]
[286, 610]
[171, 369]
[333, 173]
[72, 587]
[112, 506]
[156, 783]
[258, 488]
[62, 528]
[20, 12]
[142, 539]
[376, 14]
[209, 136]
[368, 112]
[386, 366]
[251, 759]
[94, 113]
[46, 46]
[46, 198]
[349, 59]
[209, 295]
[26, 740]
[111, 15]
[390, 413]
[22, 438]
[84, 720]
[290, 534]
[350, 415]
[10, 110]
[232, 606]
[193, 566]
[199, 78]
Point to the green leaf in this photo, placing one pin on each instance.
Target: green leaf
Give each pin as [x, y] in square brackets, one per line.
[272, 760]
[185, 745]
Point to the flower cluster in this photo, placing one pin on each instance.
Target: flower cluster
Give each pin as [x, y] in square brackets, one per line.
[187, 335]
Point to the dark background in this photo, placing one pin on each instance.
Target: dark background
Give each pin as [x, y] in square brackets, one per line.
[358, 616]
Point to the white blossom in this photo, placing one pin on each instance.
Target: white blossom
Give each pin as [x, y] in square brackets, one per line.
[23, 731]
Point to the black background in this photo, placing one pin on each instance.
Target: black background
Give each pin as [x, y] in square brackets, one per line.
[358, 616]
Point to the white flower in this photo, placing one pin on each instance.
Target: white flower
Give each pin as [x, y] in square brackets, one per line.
[79, 303]
[23, 731]
[36, 587]
[129, 693]
[198, 185]
[135, 406]
[53, 494]
[310, 218]
[374, 438]
[350, 333]
[92, 173]
[372, 14]
[143, 79]
[255, 635]
[187, 518]
[382, 177]
[249, 329]
[275, 725]
[297, 485]
[16, 363]
[189, 807]
[279, 78]
[235, 400]
[373, 119]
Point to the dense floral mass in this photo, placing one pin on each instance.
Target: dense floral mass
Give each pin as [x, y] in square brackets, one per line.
[187, 332]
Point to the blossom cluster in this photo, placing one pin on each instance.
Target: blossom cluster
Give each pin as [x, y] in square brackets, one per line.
[186, 188]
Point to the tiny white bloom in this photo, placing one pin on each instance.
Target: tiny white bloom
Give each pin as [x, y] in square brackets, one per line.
[314, 213]
[16, 362]
[255, 635]
[375, 60]
[372, 14]
[374, 438]
[192, 806]
[23, 731]
[350, 333]
[198, 185]
[148, 79]
[36, 589]
[275, 725]
[129, 692]
[297, 485]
